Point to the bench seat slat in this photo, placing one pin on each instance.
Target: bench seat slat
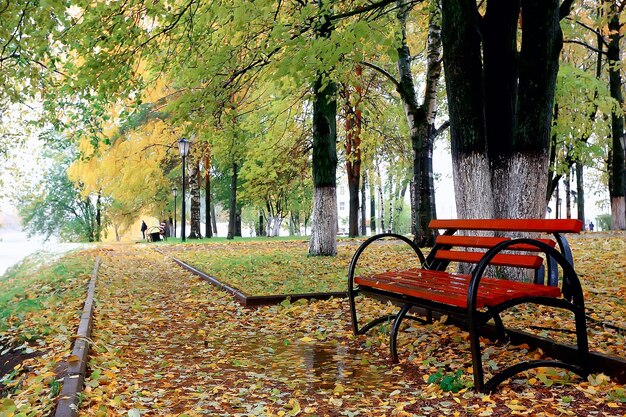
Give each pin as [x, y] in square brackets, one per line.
[486, 242]
[451, 289]
[522, 261]
[457, 284]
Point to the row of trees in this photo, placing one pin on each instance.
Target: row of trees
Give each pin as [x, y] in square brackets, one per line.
[263, 90]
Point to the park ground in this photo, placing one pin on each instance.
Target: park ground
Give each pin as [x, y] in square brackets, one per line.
[165, 343]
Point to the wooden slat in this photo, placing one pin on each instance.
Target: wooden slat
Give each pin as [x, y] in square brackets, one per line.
[521, 261]
[451, 289]
[510, 225]
[486, 242]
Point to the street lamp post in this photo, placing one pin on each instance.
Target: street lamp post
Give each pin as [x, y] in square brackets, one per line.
[183, 147]
[175, 191]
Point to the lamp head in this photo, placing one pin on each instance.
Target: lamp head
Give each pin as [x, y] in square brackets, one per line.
[183, 147]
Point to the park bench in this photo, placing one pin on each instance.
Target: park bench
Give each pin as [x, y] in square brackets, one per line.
[476, 299]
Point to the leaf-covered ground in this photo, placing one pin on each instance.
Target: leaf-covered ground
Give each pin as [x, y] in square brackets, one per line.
[40, 306]
[166, 343]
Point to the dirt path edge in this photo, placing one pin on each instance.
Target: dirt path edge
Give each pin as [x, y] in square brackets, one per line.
[68, 403]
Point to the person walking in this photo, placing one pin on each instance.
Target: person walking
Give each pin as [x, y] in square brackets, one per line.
[144, 227]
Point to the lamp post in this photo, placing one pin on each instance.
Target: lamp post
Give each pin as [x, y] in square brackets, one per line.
[183, 147]
[175, 191]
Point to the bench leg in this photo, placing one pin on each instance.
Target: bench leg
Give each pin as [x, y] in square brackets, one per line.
[393, 336]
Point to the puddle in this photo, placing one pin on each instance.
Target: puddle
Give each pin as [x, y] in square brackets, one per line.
[314, 364]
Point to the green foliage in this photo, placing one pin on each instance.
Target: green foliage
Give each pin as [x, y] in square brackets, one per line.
[55, 206]
[449, 382]
[605, 222]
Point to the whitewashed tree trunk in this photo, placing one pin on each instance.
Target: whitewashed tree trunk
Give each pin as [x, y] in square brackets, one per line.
[472, 187]
[278, 221]
[324, 226]
[618, 208]
[520, 187]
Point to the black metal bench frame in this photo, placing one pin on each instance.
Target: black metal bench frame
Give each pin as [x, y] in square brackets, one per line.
[475, 318]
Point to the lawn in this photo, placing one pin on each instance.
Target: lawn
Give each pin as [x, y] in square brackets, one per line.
[275, 266]
[40, 304]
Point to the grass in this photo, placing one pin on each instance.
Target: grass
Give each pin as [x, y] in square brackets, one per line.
[40, 305]
[270, 267]
[33, 287]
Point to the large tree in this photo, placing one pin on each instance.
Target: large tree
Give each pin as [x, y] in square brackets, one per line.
[500, 100]
[617, 167]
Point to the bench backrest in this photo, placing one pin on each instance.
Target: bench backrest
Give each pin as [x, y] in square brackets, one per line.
[450, 247]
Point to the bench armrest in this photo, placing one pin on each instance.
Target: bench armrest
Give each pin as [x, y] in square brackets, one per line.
[570, 279]
[371, 240]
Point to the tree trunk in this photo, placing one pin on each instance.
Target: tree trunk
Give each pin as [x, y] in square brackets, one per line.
[260, 231]
[363, 211]
[580, 192]
[568, 194]
[501, 107]
[423, 139]
[99, 217]
[353, 152]
[463, 69]
[617, 167]
[194, 191]
[238, 222]
[557, 198]
[324, 226]
[372, 202]
[207, 197]
[381, 202]
[232, 210]
[213, 220]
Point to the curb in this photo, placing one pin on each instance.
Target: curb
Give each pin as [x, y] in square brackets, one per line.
[67, 405]
[252, 301]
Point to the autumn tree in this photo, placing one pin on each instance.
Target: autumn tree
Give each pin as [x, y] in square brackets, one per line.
[617, 166]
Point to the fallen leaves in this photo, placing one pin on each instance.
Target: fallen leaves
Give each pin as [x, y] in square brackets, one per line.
[174, 345]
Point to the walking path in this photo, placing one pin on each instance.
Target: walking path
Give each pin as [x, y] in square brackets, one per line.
[166, 343]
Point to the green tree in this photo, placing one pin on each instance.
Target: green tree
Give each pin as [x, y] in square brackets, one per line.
[56, 206]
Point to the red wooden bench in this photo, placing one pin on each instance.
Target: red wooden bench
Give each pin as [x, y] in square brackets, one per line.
[473, 297]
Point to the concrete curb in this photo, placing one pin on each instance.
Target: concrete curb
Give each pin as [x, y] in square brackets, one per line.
[252, 301]
[67, 405]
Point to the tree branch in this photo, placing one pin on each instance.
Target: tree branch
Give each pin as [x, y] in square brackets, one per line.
[589, 28]
[382, 71]
[438, 131]
[592, 48]
[361, 10]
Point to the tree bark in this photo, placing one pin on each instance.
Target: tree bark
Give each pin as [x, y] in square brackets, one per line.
[580, 192]
[213, 220]
[568, 195]
[363, 211]
[617, 167]
[324, 225]
[207, 197]
[232, 210]
[500, 103]
[353, 152]
[99, 217]
[372, 188]
[194, 191]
